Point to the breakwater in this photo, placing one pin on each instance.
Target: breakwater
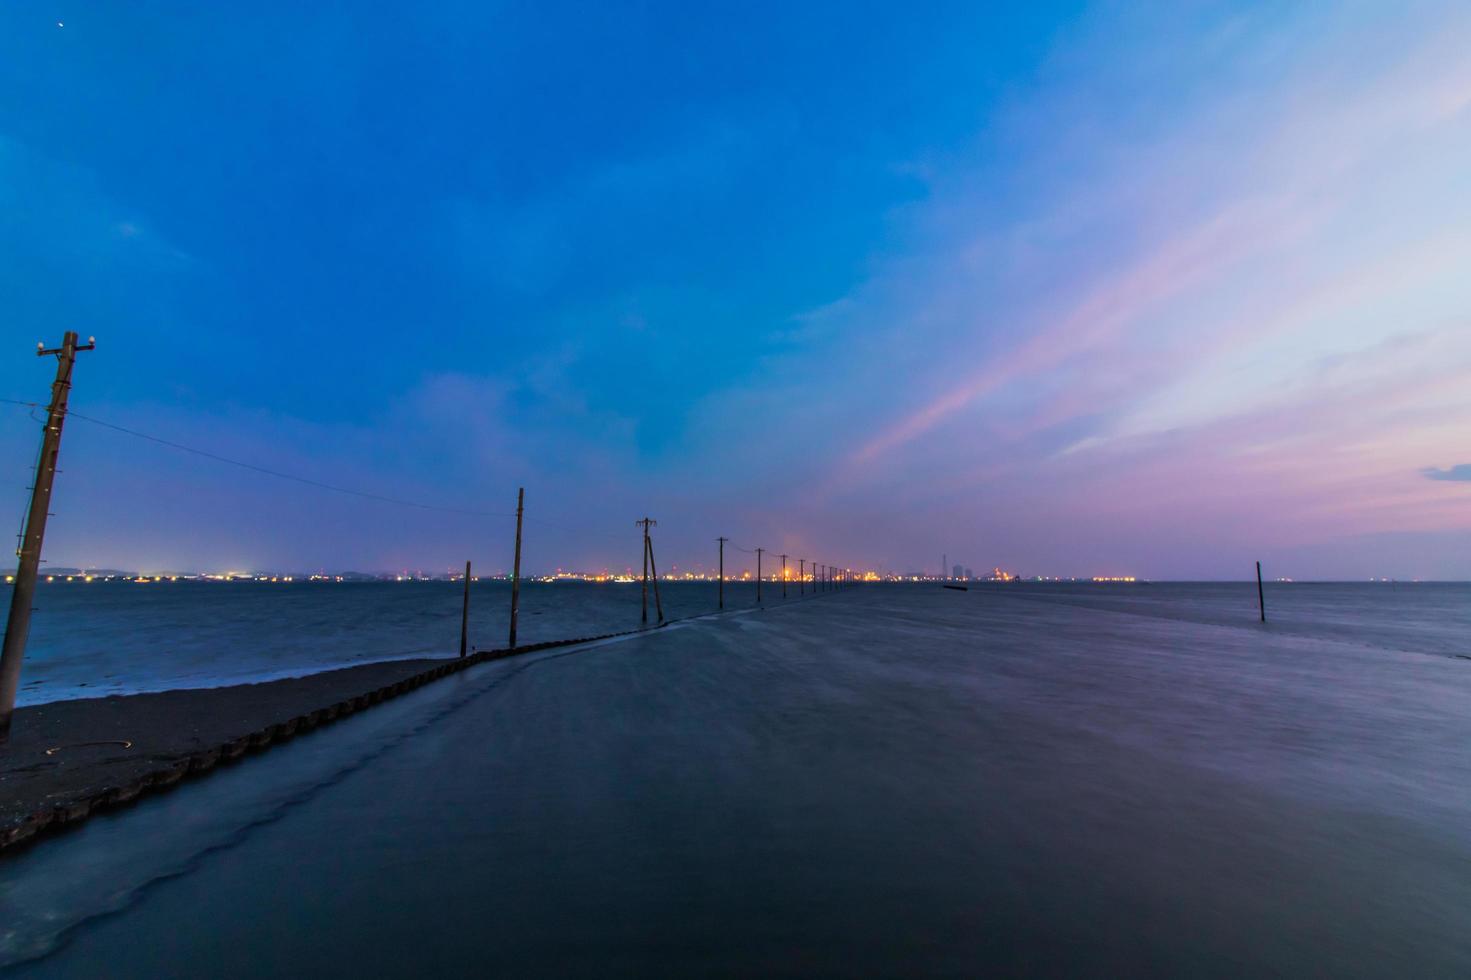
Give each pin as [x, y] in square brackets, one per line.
[70, 760]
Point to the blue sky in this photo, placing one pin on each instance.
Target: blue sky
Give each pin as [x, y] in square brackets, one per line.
[1092, 289]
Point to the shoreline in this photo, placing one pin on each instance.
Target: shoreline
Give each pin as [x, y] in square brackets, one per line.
[73, 693]
[109, 751]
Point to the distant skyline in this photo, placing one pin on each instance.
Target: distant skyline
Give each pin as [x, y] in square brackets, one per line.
[1068, 289]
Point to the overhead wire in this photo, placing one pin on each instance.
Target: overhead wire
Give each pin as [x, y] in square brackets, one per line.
[307, 481]
[319, 484]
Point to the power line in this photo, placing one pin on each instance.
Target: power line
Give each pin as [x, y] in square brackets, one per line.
[307, 481]
[320, 485]
[287, 476]
[278, 474]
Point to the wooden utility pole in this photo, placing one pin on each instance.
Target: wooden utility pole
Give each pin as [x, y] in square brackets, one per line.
[646, 523]
[722, 570]
[658, 605]
[28, 554]
[758, 575]
[783, 576]
[1261, 599]
[465, 613]
[801, 576]
[516, 567]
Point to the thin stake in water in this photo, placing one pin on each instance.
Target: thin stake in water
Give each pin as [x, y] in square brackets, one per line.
[1261, 599]
[516, 568]
[722, 570]
[465, 613]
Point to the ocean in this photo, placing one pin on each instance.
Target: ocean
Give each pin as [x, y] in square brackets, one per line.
[100, 638]
[92, 639]
[1110, 780]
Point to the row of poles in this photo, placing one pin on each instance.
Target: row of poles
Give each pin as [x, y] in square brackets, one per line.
[33, 532]
[28, 550]
[824, 577]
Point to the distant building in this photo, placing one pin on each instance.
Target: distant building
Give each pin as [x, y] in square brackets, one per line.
[957, 572]
[969, 574]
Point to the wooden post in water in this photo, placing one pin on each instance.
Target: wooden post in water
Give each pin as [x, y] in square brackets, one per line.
[722, 570]
[645, 524]
[465, 613]
[783, 576]
[758, 575]
[801, 576]
[1261, 599]
[658, 606]
[516, 567]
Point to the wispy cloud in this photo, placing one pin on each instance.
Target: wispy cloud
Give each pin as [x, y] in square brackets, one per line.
[1459, 473]
[1280, 266]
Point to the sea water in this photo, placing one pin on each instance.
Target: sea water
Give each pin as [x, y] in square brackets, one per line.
[1129, 780]
[123, 637]
[91, 639]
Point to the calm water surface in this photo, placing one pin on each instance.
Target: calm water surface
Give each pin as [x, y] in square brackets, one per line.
[884, 782]
[98, 638]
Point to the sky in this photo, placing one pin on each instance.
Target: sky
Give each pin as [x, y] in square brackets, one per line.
[1068, 289]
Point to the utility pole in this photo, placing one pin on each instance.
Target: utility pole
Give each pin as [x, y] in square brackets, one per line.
[801, 576]
[722, 570]
[646, 524]
[783, 576]
[28, 554]
[658, 604]
[465, 612]
[516, 567]
[758, 575]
